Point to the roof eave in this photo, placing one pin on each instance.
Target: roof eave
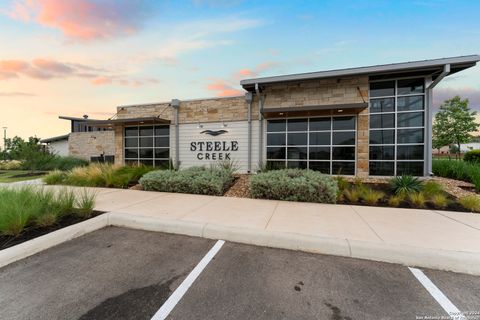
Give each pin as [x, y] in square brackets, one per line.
[460, 63]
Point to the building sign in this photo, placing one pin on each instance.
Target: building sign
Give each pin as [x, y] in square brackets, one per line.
[214, 150]
[214, 132]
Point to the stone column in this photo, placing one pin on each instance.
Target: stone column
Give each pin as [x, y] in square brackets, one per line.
[362, 144]
[119, 145]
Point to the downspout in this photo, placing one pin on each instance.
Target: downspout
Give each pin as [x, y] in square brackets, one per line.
[260, 130]
[249, 100]
[175, 104]
[429, 120]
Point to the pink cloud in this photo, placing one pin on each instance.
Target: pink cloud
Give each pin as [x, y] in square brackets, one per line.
[223, 89]
[47, 69]
[83, 19]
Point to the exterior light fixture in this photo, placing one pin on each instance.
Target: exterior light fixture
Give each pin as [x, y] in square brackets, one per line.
[280, 114]
[199, 125]
[340, 110]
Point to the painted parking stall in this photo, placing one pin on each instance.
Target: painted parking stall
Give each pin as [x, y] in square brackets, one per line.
[117, 273]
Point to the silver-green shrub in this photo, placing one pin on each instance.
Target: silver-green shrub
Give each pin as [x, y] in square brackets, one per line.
[294, 185]
[196, 180]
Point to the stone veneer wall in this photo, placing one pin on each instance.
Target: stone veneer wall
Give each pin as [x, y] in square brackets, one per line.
[91, 144]
[206, 110]
[317, 92]
[309, 93]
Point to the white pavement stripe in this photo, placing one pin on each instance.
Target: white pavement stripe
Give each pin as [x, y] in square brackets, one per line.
[438, 295]
[172, 301]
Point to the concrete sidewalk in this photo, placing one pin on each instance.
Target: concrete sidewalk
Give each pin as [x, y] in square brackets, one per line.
[408, 236]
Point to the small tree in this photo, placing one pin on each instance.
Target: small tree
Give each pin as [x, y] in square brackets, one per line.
[454, 122]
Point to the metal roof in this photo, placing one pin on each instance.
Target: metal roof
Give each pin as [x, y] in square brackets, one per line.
[57, 138]
[434, 67]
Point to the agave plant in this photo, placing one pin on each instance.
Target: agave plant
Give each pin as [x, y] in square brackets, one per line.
[405, 184]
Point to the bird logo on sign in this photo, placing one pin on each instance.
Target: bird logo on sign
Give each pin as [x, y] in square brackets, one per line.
[214, 132]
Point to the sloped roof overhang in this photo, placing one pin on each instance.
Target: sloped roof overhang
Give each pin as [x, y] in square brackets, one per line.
[432, 68]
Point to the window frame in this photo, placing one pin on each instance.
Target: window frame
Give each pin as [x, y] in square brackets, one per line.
[331, 131]
[396, 128]
[139, 159]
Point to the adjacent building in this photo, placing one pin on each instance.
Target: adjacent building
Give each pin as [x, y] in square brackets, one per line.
[367, 121]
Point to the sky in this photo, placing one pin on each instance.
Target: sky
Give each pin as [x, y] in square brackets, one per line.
[76, 57]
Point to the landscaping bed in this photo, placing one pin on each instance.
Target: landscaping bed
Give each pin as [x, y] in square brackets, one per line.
[29, 234]
[298, 185]
[194, 180]
[7, 176]
[28, 212]
[99, 175]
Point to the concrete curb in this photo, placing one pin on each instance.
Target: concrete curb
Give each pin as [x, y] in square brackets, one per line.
[49, 240]
[457, 261]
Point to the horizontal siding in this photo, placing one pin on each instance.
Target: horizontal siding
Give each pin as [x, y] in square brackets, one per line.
[237, 131]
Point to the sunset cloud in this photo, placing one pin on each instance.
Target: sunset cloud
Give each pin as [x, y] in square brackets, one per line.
[223, 89]
[47, 69]
[83, 20]
[16, 94]
[42, 69]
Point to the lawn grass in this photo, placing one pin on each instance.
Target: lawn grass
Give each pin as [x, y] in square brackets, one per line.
[7, 176]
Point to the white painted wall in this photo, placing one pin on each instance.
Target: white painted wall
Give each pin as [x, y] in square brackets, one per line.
[59, 147]
[469, 146]
[237, 131]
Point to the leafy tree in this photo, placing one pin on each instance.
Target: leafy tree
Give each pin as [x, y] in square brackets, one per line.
[30, 152]
[454, 123]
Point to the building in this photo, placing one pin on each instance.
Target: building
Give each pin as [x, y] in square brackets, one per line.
[367, 121]
[57, 145]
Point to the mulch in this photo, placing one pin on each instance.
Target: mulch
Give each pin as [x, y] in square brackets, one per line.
[240, 187]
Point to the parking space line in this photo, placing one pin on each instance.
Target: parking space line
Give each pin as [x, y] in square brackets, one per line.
[172, 301]
[438, 295]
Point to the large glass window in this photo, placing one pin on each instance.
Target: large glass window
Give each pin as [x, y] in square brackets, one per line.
[148, 145]
[325, 144]
[397, 127]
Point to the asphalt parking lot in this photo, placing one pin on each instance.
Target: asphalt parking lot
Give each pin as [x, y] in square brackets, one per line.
[117, 273]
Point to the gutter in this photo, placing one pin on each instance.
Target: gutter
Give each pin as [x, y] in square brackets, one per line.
[175, 104]
[249, 100]
[429, 116]
[260, 130]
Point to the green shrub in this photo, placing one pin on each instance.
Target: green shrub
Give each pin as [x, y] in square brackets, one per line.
[431, 188]
[395, 200]
[99, 175]
[471, 203]
[196, 180]
[371, 197]
[85, 203]
[352, 194]
[294, 185]
[459, 170]
[55, 177]
[405, 184]
[47, 162]
[439, 201]
[472, 156]
[342, 183]
[10, 164]
[417, 199]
